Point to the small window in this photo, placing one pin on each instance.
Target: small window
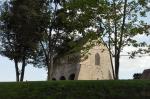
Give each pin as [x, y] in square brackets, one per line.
[97, 59]
[62, 78]
[71, 77]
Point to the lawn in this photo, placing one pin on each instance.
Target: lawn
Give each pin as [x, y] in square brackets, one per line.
[113, 89]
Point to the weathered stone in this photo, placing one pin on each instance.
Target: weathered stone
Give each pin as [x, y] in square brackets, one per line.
[96, 65]
[146, 74]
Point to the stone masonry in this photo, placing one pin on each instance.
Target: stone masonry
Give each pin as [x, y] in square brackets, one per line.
[96, 65]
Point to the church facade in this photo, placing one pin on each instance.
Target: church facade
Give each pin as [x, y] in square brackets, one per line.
[95, 65]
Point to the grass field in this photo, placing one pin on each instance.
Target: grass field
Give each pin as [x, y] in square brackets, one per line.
[118, 89]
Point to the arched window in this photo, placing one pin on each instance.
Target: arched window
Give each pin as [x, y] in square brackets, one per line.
[62, 78]
[97, 59]
[72, 76]
[53, 78]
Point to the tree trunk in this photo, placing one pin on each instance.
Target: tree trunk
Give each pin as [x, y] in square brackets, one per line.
[117, 63]
[17, 70]
[118, 49]
[109, 48]
[49, 55]
[51, 66]
[112, 66]
[48, 70]
[115, 42]
[23, 69]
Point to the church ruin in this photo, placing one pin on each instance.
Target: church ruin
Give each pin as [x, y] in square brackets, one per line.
[95, 65]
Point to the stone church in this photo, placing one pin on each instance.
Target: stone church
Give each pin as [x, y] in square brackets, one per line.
[95, 65]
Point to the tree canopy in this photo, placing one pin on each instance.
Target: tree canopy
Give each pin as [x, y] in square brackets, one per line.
[22, 25]
[38, 31]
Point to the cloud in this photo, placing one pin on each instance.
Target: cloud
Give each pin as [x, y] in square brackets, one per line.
[130, 66]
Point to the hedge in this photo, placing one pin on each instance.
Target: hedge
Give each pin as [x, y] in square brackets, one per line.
[115, 89]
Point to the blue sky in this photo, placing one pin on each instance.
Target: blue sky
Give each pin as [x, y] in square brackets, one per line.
[127, 66]
[7, 71]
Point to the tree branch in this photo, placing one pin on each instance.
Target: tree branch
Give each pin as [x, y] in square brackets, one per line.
[122, 27]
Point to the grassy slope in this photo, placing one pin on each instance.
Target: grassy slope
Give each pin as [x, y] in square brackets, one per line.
[136, 89]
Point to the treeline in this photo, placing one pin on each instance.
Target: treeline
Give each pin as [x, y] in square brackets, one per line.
[39, 31]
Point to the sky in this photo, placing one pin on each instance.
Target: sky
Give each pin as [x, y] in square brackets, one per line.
[7, 71]
[130, 66]
[127, 66]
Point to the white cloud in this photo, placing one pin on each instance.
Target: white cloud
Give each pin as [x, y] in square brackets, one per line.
[130, 66]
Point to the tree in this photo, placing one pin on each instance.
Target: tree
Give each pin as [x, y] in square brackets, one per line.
[66, 23]
[137, 76]
[122, 20]
[22, 24]
[51, 38]
[116, 21]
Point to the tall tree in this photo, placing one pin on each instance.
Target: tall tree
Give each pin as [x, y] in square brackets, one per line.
[122, 20]
[22, 24]
[116, 21]
[67, 21]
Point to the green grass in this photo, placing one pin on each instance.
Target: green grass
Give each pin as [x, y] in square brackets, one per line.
[131, 89]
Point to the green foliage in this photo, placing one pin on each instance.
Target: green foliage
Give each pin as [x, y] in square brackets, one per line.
[79, 44]
[137, 76]
[69, 29]
[75, 19]
[122, 20]
[116, 23]
[42, 30]
[22, 26]
[143, 2]
[76, 90]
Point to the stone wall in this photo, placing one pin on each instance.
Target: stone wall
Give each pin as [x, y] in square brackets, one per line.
[87, 69]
